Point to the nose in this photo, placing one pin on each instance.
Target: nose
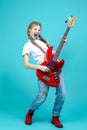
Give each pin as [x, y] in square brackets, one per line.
[38, 31]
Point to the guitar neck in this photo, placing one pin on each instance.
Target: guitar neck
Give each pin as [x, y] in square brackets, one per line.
[55, 57]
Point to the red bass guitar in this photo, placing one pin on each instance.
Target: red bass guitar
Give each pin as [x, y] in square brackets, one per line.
[52, 78]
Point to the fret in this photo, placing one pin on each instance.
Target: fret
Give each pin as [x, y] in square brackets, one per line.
[60, 45]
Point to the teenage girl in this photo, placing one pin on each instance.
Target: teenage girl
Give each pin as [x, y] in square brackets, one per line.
[36, 47]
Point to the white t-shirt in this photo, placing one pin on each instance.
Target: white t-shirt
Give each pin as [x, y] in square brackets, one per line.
[36, 53]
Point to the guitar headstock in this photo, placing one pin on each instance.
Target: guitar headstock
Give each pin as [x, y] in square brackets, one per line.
[71, 21]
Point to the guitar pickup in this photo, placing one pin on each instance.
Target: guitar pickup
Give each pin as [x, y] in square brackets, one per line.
[46, 78]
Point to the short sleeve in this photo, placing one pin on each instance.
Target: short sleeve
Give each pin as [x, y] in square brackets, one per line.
[26, 49]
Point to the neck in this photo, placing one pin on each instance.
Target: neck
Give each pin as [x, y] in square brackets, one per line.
[60, 45]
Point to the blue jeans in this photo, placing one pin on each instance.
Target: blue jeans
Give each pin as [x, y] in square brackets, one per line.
[43, 92]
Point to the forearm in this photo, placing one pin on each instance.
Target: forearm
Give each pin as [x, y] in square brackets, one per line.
[28, 65]
[31, 66]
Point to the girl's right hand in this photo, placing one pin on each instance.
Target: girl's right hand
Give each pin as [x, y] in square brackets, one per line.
[43, 68]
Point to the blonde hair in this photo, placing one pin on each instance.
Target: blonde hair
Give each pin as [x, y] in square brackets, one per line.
[35, 23]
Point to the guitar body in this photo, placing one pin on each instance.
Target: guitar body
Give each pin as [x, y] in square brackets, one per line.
[50, 78]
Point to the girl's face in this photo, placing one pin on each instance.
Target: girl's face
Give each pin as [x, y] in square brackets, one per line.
[34, 32]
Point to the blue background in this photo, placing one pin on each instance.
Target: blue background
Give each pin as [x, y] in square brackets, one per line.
[18, 86]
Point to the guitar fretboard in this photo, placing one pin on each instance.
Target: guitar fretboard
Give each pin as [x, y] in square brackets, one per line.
[55, 57]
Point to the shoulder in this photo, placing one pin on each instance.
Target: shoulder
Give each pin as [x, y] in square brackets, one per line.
[27, 43]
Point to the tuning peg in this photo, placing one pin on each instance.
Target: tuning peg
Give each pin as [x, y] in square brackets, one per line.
[68, 19]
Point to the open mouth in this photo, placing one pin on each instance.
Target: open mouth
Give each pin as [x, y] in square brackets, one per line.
[35, 35]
